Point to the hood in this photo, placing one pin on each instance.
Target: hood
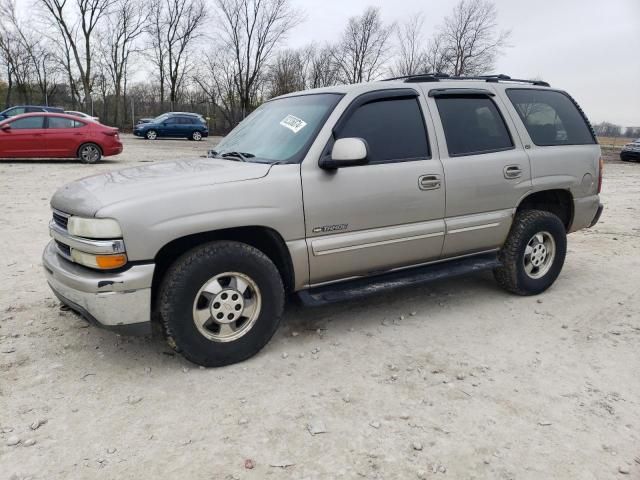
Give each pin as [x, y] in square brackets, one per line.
[88, 195]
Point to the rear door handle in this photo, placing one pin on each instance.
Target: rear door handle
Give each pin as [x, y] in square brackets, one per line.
[429, 182]
[512, 171]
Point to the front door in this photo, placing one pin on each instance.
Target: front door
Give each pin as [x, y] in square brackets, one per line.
[487, 170]
[24, 139]
[366, 219]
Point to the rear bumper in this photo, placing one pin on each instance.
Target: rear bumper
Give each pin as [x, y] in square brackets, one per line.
[630, 155]
[597, 216]
[116, 301]
[112, 150]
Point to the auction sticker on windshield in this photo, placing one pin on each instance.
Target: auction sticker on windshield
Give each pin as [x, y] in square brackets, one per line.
[293, 123]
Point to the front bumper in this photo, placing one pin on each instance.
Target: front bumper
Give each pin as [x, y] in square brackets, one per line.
[119, 301]
[630, 154]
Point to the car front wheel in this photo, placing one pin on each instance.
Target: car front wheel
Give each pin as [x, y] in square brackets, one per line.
[151, 135]
[197, 136]
[221, 302]
[534, 253]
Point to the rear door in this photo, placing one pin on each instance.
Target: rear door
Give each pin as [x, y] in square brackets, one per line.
[562, 148]
[485, 166]
[366, 219]
[64, 136]
[24, 139]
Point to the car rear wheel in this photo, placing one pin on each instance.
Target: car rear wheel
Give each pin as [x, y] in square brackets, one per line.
[196, 135]
[534, 253]
[151, 135]
[89, 153]
[220, 303]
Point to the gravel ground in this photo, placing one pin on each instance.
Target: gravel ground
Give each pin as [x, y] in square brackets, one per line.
[452, 380]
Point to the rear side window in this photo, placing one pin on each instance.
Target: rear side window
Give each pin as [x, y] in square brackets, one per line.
[28, 123]
[472, 125]
[394, 130]
[550, 117]
[60, 122]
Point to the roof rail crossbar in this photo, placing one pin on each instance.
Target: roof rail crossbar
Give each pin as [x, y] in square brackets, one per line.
[436, 77]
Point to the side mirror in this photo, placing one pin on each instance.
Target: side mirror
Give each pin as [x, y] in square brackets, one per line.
[346, 152]
[6, 127]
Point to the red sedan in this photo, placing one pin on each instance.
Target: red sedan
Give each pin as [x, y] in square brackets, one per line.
[57, 135]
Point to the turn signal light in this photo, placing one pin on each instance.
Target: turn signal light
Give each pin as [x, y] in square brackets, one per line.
[101, 262]
[111, 261]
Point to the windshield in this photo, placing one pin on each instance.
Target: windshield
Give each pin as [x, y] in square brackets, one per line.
[161, 118]
[279, 130]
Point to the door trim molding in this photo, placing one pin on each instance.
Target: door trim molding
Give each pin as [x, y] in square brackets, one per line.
[376, 244]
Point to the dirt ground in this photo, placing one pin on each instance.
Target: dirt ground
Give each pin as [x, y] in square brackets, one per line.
[451, 380]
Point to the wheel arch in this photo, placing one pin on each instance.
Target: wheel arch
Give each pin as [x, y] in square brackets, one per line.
[557, 201]
[265, 239]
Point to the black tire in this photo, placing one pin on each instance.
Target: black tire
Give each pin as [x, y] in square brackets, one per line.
[89, 153]
[151, 135]
[196, 136]
[512, 275]
[182, 283]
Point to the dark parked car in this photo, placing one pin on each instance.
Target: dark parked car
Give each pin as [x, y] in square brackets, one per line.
[20, 109]
[164, 116]
[176, 125]
[631, 151]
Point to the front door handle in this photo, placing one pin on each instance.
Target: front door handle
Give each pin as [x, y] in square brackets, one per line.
[429, 182]
[512, 171]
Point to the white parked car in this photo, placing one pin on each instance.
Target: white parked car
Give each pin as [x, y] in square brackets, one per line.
[82, 115]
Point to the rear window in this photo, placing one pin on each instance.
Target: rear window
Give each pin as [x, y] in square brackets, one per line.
[472, 125]
[550, 117]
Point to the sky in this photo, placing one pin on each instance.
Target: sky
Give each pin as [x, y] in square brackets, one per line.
[589, 48]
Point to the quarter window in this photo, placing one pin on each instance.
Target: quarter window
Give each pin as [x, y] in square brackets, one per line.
[550, 117]
[28, 123]
[394, 130]
[472, 125]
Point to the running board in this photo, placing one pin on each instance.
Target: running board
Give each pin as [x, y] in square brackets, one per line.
[365, 286]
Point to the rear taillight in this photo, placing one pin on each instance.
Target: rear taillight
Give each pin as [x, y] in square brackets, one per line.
[600, 170]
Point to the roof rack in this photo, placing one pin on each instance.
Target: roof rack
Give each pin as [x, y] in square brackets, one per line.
[436, 77]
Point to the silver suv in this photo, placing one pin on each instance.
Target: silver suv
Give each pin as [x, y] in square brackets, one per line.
[330, 194]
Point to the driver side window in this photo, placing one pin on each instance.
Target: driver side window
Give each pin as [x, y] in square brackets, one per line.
[393, 128]
[28, 123]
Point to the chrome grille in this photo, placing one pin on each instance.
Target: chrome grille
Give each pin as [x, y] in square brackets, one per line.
[63, 249]
[61, 219]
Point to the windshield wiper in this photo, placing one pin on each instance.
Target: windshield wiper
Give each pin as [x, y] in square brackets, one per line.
[242, 156]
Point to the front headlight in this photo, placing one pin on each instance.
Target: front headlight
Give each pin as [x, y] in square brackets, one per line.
[94, 227]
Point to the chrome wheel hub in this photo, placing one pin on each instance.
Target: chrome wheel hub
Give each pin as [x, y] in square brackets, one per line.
[227, 306]
[539, 254]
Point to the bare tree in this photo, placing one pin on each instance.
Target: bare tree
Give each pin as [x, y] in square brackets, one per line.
[175, 26]
[411, 55]
[124, 27]
[323, 70]
[251, 30]
[78, 29]
[469, 41]
[364, 47]
[289, 71]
